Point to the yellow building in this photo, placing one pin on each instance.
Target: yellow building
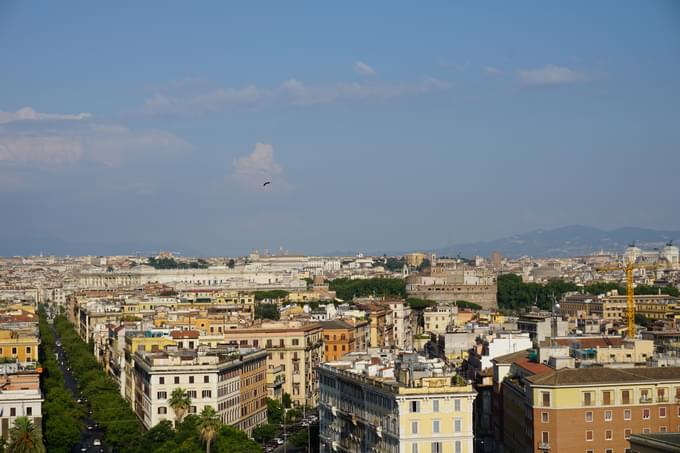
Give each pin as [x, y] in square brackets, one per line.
[23, 348]
[296, 346]
[394, 403]
[139, 341]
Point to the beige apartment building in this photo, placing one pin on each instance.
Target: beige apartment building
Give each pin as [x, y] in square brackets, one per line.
[295, 346]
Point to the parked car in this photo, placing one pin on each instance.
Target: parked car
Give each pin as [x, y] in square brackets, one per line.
[278, 441]
[97, 442]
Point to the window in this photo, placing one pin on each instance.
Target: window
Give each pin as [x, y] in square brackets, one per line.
[645, 414]
[587, 398]
[14, 351]
[435, 426]
[661, 395]
[414, 448]
[161, 380]
[192, 394]
[627, 432]
[608, 416]
[545, 418]
[28, 349]
[663, 429]
[458, 425]
[206, 394]
[458, 447]
[206, 379]
[609, 450]
[607, 398]
[625, 396]
[296, 342]
[415, 406]
[162, 395]
[589, 416]
[644, 396]
[437, 447]
[414, 427]
[191, 379]
[162, 410]
[589, 436]
[435, 406]
[545, 437]
[545, 397]
[176, 379]
[608, 435]
[29, 411]
[626, 414]
[662, 412]
[456, 405]
[646, 430]
[12, 411]
[192, 409]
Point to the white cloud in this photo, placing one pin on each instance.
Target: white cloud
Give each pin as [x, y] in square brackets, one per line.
[28, 114]
[364, 69]
[256, 168]
[550, 75]
[291, 92]
[105, 144]
[490, 70]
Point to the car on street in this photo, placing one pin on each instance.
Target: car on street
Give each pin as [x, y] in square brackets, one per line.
[97, 442]
[278, 441]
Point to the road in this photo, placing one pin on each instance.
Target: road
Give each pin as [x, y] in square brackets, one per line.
[87, 436]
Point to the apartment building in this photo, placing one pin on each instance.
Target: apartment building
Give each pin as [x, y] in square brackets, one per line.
[20, 396]
[588, 409]
[381, 329]
[339, 339]
[403, 324]
[394, 403]
[212, 378]
[437, 319]
[296, 346]
[23, 348]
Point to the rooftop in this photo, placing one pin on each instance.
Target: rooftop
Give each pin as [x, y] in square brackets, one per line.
[584, 376]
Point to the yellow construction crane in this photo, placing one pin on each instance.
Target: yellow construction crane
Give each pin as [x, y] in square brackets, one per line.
[629, 267]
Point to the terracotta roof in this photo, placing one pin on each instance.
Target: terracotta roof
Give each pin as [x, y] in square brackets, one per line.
[336, 324]
[579, 376]
[509, 359]
[590, 342]
[533, 367]
[183, 334]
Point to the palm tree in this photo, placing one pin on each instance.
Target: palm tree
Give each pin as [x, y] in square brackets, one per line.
[180, 403]
[208, 424]
[24, 437]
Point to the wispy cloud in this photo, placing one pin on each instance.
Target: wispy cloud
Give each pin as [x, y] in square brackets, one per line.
[364, 69]
[491, 70]
[253, 170]
[105, 144]
[28, 114]
[550, 75]
[288, 92]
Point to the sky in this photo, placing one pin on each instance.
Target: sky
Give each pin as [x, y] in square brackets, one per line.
[381, 125]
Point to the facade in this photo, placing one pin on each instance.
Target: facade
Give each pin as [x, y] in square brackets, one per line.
[386, 403]
[212, 379]
[23, 348]
[403, 324]
[437, 319]
[589, 409]
[445, 282]
[293, 345]
[20, 396]
[339, 339]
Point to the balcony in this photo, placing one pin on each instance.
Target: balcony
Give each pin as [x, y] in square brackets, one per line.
[544, 446]
[661, 399]
[646, 399]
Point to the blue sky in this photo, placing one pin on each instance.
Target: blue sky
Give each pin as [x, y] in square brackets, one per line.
[382, 127]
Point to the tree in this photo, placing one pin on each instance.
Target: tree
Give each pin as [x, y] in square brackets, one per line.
[466, 304]
[274, 411]
[419, 304]
[265, 433]
[208, 424]
[267, 311]
[231, 263]
[179, 402]
[347, 289]
[25, 437]
[287, 401]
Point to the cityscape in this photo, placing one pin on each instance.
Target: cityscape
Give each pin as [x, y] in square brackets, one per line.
[340, 227]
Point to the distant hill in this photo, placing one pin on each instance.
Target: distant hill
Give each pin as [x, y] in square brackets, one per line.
[573, 240]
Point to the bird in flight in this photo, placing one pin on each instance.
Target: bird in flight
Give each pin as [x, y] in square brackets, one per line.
[266, 183]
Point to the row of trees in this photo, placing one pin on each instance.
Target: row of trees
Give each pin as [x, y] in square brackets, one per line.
[171, 263]
[347, 289]
[513, 293]
[274, 294]
[61, 415]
